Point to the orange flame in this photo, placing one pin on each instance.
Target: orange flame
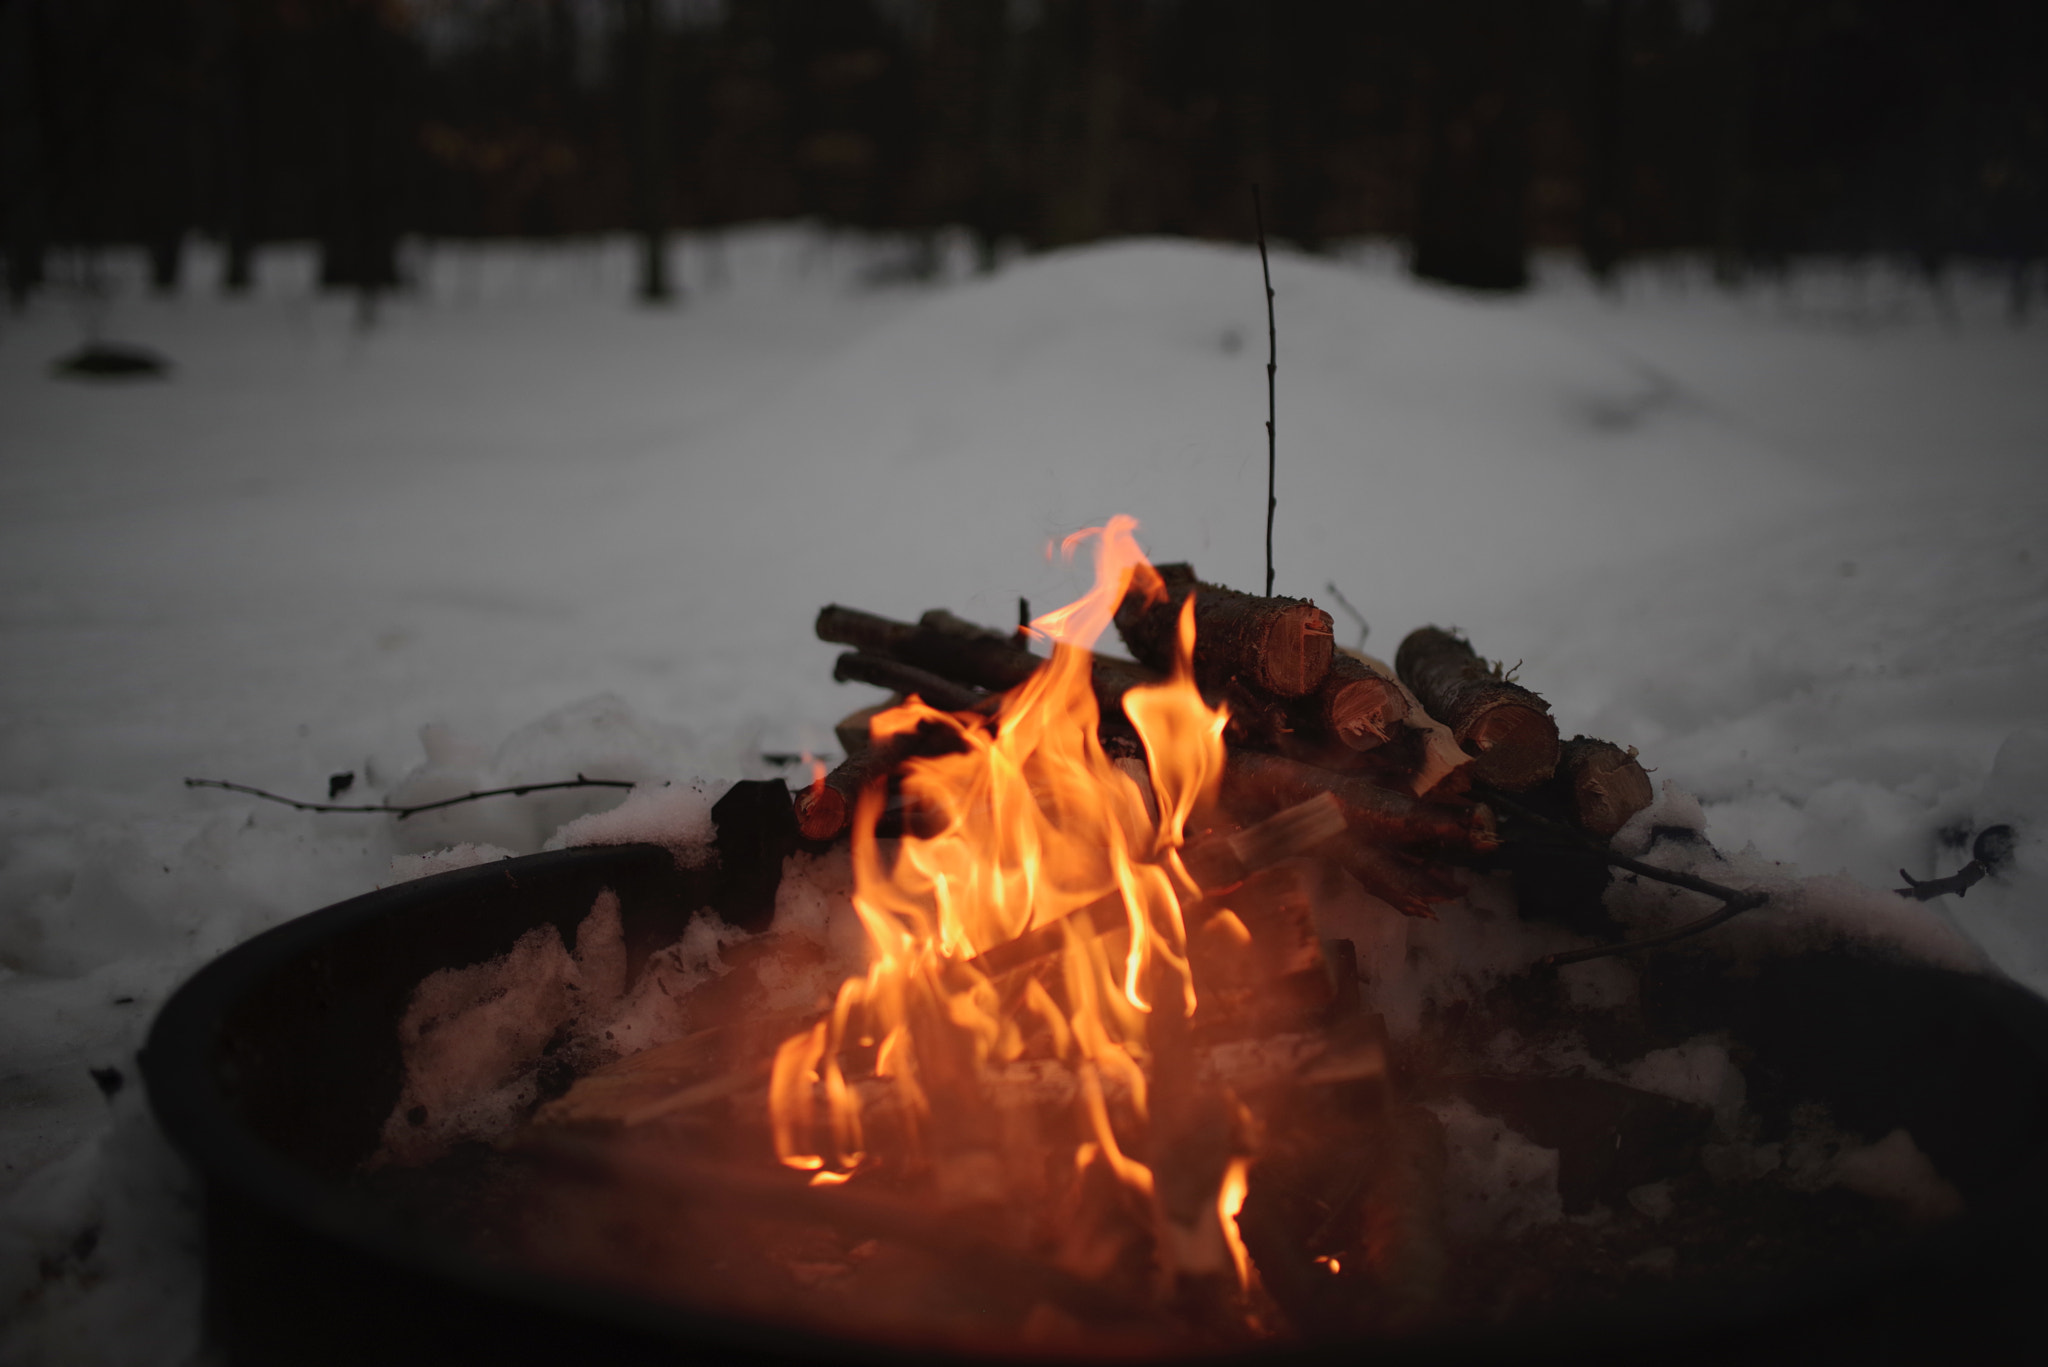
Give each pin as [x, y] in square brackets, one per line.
[1034, 823]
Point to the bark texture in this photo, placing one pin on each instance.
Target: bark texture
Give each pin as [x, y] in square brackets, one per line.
[1281, 646]
[1505, 728]
[1605, 785]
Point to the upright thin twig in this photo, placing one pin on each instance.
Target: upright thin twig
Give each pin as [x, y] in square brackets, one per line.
[1364, 630]
[1272, 366]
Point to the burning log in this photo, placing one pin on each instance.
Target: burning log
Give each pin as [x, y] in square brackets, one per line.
[1506, 728]
[1218, 864]
[1279, 646]
[1253, 782]
[824, 809]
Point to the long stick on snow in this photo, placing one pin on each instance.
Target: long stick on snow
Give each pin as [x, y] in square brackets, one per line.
[403, 812]
[1272, 366]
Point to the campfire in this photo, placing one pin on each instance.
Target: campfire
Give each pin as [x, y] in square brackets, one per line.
[1106, 1008]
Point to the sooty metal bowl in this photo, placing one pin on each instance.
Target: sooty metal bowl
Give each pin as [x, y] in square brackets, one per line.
[275, 1067]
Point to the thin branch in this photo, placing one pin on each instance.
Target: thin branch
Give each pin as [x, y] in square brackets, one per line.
[1734, 901]
[1959, 882]
[862, 666]
[1364, 630]
[1272, 366]
[403, 812]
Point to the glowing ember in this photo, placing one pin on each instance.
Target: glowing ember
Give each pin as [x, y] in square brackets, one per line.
[1031, 825]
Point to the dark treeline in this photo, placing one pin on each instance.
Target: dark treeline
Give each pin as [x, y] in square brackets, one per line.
[1474, 130]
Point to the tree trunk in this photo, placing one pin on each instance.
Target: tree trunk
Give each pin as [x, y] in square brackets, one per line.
[649, 78]
[1471, 218]
[359, 240]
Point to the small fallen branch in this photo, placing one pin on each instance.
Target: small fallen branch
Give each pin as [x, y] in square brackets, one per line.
[1992, 848]
[1959, 882]
[402, 812]
[1734, 901]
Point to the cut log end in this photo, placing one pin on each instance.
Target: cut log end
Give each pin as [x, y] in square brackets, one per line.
[1513, 747]
[1505, 727]
[821, 812]
[1362, 713]
[1298, 644]
[1608, 786]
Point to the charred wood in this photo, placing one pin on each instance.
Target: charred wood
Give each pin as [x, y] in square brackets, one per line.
[824, 809]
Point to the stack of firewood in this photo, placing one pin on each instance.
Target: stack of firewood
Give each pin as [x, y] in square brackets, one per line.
[1411, 753]
[1397, 775]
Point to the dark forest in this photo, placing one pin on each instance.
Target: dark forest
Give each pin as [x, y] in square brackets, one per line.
[1474, 131]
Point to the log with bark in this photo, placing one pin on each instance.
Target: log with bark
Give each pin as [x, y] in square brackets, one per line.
[859, 666]
[964, 653]
[1505, 728]
[824, 810]
[1603, 785]
[1277, 646]
[1358, 707]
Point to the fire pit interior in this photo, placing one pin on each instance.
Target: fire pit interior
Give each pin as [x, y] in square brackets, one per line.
[1226, 1000]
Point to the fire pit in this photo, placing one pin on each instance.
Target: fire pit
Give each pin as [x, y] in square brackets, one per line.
[1094, 1042]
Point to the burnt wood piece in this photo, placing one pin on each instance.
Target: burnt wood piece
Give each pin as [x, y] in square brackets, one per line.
[824, 809]
[1280, 646]
[1219, 864]
[1254, 783]
[1603, 785]
[1505, 728]
[858, 666]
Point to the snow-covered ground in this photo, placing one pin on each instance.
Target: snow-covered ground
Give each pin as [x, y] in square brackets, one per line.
[1787, 542]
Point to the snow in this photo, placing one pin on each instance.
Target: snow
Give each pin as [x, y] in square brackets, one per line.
[1784, 541]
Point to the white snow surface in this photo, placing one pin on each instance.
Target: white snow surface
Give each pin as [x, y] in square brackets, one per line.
[1787, 542]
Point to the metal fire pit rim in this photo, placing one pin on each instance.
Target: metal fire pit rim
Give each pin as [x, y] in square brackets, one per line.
[188, 1103]
[185, 1096]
